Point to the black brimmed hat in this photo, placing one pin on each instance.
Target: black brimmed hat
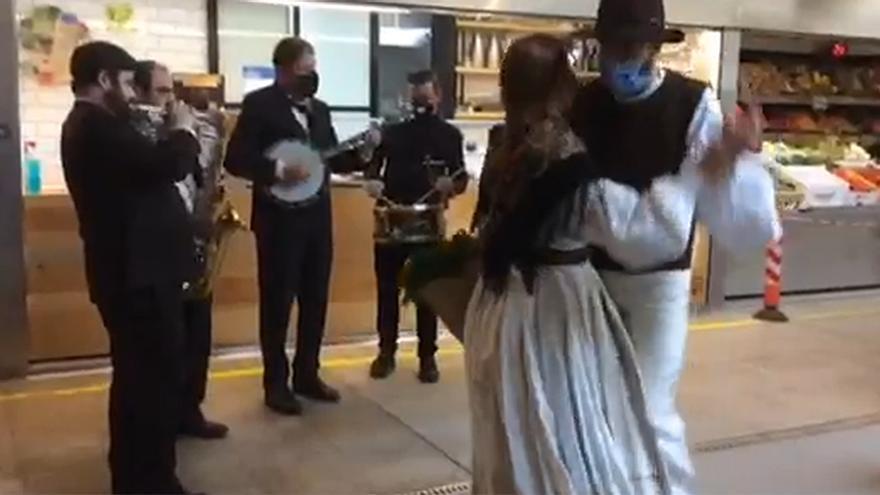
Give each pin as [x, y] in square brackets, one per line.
[640, 21]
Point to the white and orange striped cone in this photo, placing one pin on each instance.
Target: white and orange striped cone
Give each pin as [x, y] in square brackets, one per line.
[773, 285]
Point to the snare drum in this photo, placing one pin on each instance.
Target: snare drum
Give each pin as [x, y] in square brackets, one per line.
[409, 224]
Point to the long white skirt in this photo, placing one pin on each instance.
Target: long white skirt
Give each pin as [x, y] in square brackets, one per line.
[556, 398]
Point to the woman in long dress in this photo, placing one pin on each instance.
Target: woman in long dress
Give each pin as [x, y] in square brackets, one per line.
[556, 398]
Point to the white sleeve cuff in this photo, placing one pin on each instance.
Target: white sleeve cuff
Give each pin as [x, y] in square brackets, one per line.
[740, 212]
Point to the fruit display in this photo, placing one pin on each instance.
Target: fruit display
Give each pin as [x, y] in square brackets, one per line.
[786, 154]
[763, 79]
[789, 193]
[812, 94]
[825, 151]
[798, 79]
[862, 190]
[822, 188]
[855, 153]
[798, 121]
[857, 182]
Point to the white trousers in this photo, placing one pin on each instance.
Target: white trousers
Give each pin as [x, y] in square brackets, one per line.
[655, 310]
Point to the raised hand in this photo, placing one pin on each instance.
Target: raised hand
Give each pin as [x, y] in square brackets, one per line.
[294, 173]
[741, 132]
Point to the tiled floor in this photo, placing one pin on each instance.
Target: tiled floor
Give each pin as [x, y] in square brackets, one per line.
[749, 392]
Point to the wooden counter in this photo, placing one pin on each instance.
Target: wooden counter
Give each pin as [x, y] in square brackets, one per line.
[64, 324]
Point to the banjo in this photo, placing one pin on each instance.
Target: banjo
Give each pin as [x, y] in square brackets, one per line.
[309, 190]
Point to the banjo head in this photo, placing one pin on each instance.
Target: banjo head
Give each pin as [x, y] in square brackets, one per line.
[293, 151]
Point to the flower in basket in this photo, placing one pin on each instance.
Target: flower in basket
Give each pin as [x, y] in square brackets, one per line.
[443, 277]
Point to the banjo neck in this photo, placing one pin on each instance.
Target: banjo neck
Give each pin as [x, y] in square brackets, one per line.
[358, 142]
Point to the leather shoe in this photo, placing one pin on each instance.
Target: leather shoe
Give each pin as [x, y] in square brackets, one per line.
[428, 372]
[283, 402]
[317, 390]
[383, 366]
[204, 430]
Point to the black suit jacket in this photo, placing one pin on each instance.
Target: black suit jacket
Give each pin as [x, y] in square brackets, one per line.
[135, 228]
[400, 160]
[267, 117]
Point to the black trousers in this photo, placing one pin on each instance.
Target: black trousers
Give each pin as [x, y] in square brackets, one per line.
[295, 253]
[388, 261]
[145, 329]
[196, 357]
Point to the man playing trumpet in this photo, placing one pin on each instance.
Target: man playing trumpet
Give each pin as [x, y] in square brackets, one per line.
[198, 190]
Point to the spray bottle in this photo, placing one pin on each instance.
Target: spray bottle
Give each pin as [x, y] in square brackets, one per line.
[32, 169]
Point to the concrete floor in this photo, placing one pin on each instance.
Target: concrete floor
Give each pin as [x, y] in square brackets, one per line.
[772, 409]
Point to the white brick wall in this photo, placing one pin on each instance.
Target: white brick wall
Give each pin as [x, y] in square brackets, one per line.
[170, 31]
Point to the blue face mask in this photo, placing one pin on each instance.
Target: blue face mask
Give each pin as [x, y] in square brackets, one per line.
[628, 79]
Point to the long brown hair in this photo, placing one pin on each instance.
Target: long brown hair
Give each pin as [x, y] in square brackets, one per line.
[537, 90]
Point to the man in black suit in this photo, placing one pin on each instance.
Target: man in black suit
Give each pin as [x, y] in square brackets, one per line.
[138, 253]
[154, 87]
[403, 171]
[294, 241]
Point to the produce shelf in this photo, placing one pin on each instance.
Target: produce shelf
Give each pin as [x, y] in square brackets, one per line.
[818, 101]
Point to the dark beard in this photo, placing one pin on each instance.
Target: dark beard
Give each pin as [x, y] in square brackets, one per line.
[116, 103]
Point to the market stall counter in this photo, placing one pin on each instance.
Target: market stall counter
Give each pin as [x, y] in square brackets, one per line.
[825, 249]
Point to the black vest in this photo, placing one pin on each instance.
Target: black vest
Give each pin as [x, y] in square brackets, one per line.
[635, 143]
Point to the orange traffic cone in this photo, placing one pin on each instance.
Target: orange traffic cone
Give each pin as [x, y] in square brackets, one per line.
[773, 285]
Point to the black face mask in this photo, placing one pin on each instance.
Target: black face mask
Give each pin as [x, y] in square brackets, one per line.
[305, 85]
[422, 108]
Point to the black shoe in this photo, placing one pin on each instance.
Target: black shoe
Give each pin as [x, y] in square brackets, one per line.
[383, 366]
[204, 430]
[178, 489]
[428, 372]
[317, 390]
[283, 402]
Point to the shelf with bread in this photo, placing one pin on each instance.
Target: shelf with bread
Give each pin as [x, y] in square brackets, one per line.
[806, 95]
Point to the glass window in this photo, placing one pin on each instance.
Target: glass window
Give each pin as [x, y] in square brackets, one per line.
[342, 42]
[248, 32]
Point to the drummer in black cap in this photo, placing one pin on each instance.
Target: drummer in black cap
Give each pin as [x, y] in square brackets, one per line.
[420, 162]
[647, 126]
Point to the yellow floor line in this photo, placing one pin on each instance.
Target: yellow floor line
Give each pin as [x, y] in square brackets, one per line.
[363, 362]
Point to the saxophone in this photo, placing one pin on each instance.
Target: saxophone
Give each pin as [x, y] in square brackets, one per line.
[212, 206]
[214, 216]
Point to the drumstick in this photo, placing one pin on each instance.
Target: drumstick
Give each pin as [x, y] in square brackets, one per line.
[429, 193]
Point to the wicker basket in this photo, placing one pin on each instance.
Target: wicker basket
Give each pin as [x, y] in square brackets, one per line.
[448, 297]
